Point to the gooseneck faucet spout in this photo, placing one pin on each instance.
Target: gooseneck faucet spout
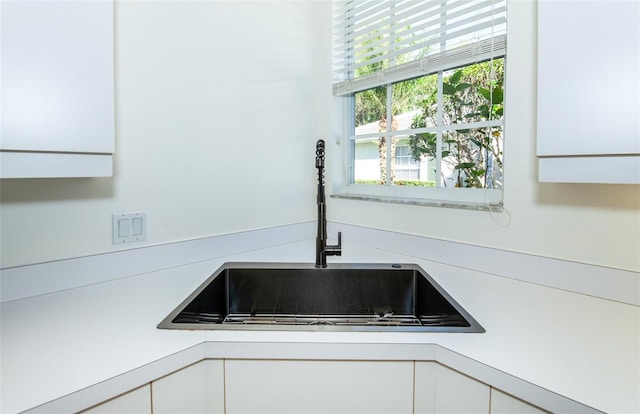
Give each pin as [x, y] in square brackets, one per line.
[322, 249]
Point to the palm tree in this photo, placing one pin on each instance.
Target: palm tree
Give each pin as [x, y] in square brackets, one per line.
[371, 105]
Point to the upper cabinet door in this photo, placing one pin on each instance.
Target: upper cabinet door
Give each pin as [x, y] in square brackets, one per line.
[589, 86]
[57, 77]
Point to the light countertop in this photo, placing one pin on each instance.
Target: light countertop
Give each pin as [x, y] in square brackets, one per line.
[584, 348]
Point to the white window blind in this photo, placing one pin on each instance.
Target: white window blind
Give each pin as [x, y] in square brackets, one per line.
[378, 42]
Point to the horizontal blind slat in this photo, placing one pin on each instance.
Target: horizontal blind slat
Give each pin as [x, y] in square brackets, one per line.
[407, 16]
[433, 31]
[362, 17]
[399, 13]
[462, 56]
[374, 31]
[353, 65]
[390, 33]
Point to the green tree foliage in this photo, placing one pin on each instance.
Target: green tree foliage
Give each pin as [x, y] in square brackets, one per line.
[371, 106]
[473, 93]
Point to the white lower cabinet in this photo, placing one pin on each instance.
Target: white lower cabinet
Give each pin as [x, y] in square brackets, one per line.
[502, 403]
[286, 386]
[196, 389]
[137, 401]
[237, 386]
[439, 389]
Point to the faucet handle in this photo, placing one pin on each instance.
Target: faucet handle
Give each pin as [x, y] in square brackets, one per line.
[336, 249]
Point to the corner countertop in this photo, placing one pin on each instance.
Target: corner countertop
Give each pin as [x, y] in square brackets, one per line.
[584, 348]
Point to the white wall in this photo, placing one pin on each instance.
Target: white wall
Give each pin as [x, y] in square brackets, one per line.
[595, 224]
[218, 106]
[196, 132]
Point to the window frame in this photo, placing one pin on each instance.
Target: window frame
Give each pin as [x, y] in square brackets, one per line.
[486, 199]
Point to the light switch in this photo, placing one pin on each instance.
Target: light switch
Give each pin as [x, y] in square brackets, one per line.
[123, 227]
[136, 226]
[129, 227]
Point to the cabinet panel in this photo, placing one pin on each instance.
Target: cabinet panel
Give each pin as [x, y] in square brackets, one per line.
[439, 389]
[502, 403]
[598, 170]
[425, 387]
[57, 92]
[588, 83]
[318, 386]
[137, 401]
[196, 389]
[589, 92]
[48, 164]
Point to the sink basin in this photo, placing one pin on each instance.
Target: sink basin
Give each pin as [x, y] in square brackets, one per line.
[340, 297]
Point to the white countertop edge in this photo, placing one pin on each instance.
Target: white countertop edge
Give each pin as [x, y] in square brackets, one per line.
[141, 376]
[112, 387]
[519, 388]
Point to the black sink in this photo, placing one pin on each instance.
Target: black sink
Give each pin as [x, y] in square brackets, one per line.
[341, 297]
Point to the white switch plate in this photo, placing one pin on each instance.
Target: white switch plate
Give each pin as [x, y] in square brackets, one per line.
[129, 227]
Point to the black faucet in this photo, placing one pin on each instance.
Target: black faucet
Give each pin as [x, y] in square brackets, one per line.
[322, 249]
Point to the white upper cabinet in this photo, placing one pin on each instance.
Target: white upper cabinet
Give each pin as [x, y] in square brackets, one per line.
[589, 91]
[57, 74]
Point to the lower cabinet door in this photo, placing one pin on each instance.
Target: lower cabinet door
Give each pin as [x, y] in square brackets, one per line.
[268, 386]
[137, 401]
[502, 403]
[196, 389]
[441, 390]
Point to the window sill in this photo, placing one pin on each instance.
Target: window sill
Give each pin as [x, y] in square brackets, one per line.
[465, 205]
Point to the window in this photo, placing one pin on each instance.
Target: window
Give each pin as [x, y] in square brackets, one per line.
[424, 86]
[407, 167]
